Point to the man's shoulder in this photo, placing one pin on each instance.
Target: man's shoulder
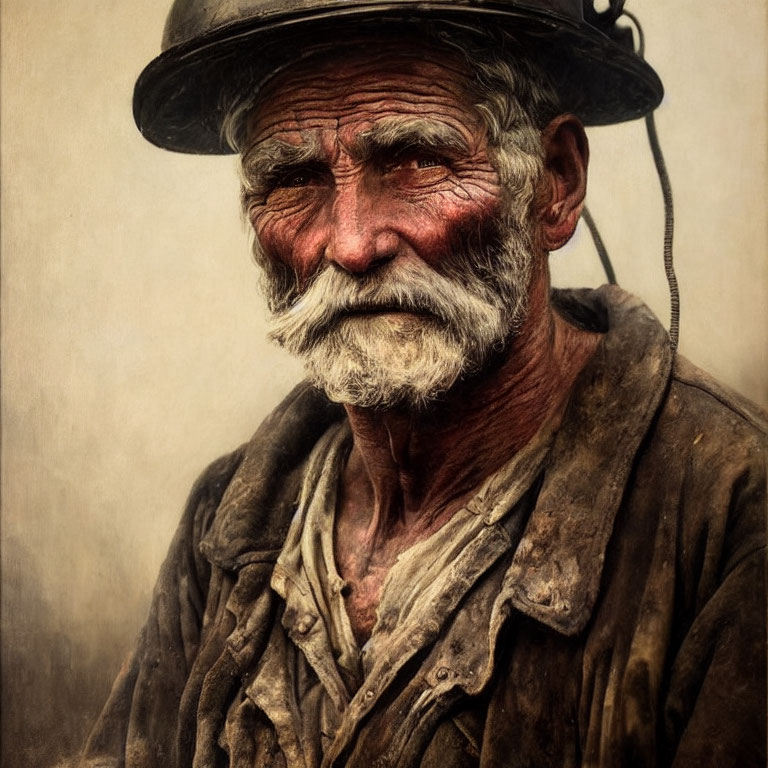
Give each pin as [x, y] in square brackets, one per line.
[707, 397]
[243, 502]
[214, 479]
[708, 451]
[705, 439]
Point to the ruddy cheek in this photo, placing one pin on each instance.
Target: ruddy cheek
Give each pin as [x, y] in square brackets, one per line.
[442, 223]
[293, 240]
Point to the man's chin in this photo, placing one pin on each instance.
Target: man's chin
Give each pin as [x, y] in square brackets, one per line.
[391, 328]
[391, 317]
[389, 361]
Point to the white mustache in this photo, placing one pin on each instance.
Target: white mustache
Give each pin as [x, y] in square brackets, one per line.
[406, 286]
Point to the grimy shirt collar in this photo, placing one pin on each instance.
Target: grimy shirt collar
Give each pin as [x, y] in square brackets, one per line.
[555, 573]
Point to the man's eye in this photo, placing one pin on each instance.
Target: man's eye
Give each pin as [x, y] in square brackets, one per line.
[295, 179]
[416, 162]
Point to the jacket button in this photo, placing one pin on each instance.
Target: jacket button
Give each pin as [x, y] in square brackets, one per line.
[369, 695]
[305, 623]
[442, 673]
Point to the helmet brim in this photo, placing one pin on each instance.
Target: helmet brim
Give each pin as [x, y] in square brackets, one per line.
[179, 101]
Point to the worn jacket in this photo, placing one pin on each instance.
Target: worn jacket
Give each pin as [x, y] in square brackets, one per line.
[628, 622]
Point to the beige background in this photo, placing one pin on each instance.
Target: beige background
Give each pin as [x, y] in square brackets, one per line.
[132, 332]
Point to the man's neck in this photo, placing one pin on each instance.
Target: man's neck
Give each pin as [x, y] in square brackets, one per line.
[410, 471]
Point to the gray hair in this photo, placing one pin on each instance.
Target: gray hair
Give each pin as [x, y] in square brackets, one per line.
[515, 99]
[513, 95]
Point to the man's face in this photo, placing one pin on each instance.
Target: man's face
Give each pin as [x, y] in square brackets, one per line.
[378, 219]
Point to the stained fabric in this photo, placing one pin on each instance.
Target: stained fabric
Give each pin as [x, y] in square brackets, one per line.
[627, 617]
[306, 691]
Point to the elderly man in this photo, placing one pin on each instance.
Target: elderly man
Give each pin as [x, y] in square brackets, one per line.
[501, 526]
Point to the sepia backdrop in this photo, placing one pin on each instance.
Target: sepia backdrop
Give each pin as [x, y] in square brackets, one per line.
[133, 347]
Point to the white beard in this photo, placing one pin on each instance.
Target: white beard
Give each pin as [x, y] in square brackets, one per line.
[433, 328]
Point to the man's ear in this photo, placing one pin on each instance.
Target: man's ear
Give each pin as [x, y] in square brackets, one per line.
[564, 183]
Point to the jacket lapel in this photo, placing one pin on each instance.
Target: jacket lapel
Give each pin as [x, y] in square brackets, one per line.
[256, 510]
[555, 573]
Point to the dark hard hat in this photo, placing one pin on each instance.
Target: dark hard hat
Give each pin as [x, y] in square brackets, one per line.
[179, 101]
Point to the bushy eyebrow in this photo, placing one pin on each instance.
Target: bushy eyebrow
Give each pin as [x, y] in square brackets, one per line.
[268, 159]
[265, 160]
[396, 134]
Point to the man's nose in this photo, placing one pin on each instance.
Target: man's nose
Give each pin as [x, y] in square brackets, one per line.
[360, 237]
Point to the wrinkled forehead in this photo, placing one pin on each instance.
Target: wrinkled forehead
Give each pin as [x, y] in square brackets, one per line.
[359, 86]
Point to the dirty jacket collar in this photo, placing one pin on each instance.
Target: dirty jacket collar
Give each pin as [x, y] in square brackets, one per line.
[555, 575]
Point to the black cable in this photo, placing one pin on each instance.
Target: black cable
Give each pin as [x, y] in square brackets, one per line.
[669, 211]
[602, 252]
[669, 231]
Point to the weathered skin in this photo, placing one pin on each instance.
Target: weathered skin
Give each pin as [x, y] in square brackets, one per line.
[356, 208]
[358, 213]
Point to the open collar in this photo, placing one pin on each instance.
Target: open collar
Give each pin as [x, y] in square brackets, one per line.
[556, 570]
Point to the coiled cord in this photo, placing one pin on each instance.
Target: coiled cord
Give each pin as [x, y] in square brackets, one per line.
[669, 211]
